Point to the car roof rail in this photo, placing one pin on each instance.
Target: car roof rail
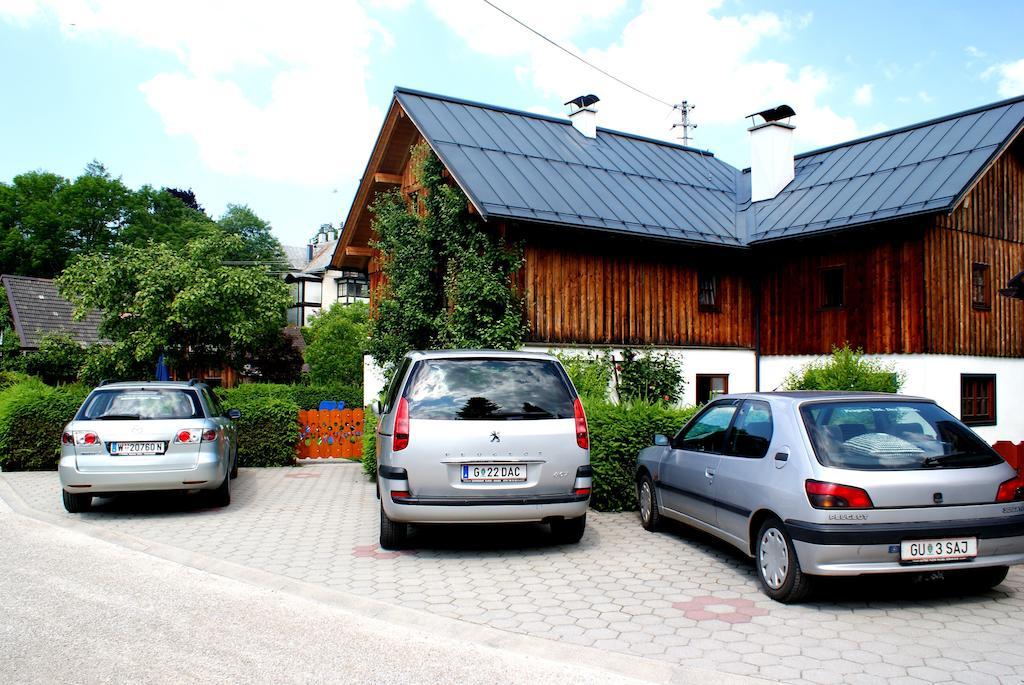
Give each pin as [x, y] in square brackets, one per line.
[194, 381]
[105, 381]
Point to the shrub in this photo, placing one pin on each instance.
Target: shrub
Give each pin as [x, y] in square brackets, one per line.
[9, 378]
[591, 375]
[649, 376]
[267, 431]
[617, 434]
[32, 417]
[846, 369]
[370, 445]
[337, 339]
[111, 362]
[59, 359]
[304, 396]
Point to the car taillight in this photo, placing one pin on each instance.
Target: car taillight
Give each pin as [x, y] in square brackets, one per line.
[833, 496]
[67, 439]
[1011, 490]
[582, 436]
[187, 435]
[87, 439]
[401, 426]
[209, 435]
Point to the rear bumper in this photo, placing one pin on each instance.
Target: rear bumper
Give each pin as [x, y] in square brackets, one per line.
[498, 509]
[208, 474]
[847, 550]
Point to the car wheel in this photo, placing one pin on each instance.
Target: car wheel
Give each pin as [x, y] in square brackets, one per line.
[778, 569]
[646, 494]
[76, 503]
[221, 497]
[978, 578]
[569, 531]
[234, 464]
[393, 534]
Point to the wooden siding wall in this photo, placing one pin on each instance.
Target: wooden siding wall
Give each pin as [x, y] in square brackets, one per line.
[884, 298]
[995, 206]
[604, 295]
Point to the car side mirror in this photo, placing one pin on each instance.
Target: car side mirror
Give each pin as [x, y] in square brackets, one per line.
[233, 414]
[660, 440]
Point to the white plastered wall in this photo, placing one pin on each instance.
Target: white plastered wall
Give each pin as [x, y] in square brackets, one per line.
[937, 377]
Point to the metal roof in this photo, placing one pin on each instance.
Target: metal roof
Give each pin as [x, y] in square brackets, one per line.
[38, 309]
[517, 165]
[918, 169]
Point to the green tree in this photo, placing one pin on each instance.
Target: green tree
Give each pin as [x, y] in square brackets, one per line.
[448, 280]
[337, 339]
[846, 369]
[58, 359]
[186, 304]
[258, 243]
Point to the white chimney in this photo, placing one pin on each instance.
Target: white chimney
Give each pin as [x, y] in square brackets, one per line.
[583, 114]
[771, 153]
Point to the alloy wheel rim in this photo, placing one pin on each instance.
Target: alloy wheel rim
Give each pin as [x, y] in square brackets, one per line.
[645, 502]
[774, 558]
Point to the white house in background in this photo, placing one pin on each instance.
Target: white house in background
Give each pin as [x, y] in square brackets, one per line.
[314, 285]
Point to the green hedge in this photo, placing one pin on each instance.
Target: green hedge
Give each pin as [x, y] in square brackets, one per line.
[370, 445]
[305, 396]
[32, 418]
[267, 431]
[617, 434]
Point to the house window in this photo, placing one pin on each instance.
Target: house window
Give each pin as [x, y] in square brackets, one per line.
[312, 292]
[353, 287]
[978, 399]
[980, 286]
[711, 385]
[833, 289]
[707, 292]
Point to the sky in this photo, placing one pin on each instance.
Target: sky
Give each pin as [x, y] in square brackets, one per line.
[276, 105]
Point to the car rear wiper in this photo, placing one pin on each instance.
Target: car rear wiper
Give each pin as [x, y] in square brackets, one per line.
[541, 414]
[945, 458]
[118, 417]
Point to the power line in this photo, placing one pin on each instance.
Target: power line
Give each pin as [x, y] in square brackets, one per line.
[577, 57]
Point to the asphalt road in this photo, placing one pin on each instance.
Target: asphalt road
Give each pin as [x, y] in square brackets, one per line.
[77, 609]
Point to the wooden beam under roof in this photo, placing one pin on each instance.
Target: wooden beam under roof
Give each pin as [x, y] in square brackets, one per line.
[353, 251]
[390, 179]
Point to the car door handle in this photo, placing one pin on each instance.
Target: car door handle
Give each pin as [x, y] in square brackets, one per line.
[709, 472]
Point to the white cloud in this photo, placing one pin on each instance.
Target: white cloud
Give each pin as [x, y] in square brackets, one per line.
[864, 95]
[974, 52]
[1011, 77]
[674, 50]
[924, 97]
[317, 125]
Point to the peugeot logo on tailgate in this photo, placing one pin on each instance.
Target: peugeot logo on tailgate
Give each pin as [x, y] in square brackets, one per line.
[495, 437]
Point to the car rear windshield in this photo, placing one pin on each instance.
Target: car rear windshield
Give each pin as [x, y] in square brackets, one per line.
[141, 404]
[892, 435]
[488, 390]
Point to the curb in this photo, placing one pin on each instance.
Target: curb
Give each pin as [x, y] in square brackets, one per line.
[625, 665]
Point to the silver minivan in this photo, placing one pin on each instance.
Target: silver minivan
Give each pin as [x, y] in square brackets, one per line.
[838, 484]
[482, 436]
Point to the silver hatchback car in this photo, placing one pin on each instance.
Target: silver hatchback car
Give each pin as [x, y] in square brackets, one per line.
[479, 436]
[148, 435]
[838, 484]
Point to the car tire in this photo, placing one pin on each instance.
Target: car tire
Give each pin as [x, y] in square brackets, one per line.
[393, 534]
[569, 531]
[979, 579]
[234, 464]
[777, 566]
[221, 497]
[647, 496]
[76, 503]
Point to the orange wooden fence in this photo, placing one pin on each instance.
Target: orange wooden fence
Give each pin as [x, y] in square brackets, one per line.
[330, 434]
[1013, 454]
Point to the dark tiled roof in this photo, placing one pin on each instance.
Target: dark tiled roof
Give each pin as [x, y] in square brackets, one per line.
[518, 165]
[37, 309]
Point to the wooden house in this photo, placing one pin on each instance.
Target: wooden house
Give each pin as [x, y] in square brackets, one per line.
[898, 243]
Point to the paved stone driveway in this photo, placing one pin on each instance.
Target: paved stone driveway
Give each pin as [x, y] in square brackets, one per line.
[675, 596]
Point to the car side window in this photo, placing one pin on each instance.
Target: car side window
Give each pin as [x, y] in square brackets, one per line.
[707, 432]
[213, 402]
[396, 383]
[752, 431]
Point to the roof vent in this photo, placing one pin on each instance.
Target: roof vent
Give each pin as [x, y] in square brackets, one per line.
[583, 114]
[771, 152]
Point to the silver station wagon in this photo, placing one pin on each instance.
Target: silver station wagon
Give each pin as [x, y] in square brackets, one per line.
[838, 484]
[478, 436]
[148, 435]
